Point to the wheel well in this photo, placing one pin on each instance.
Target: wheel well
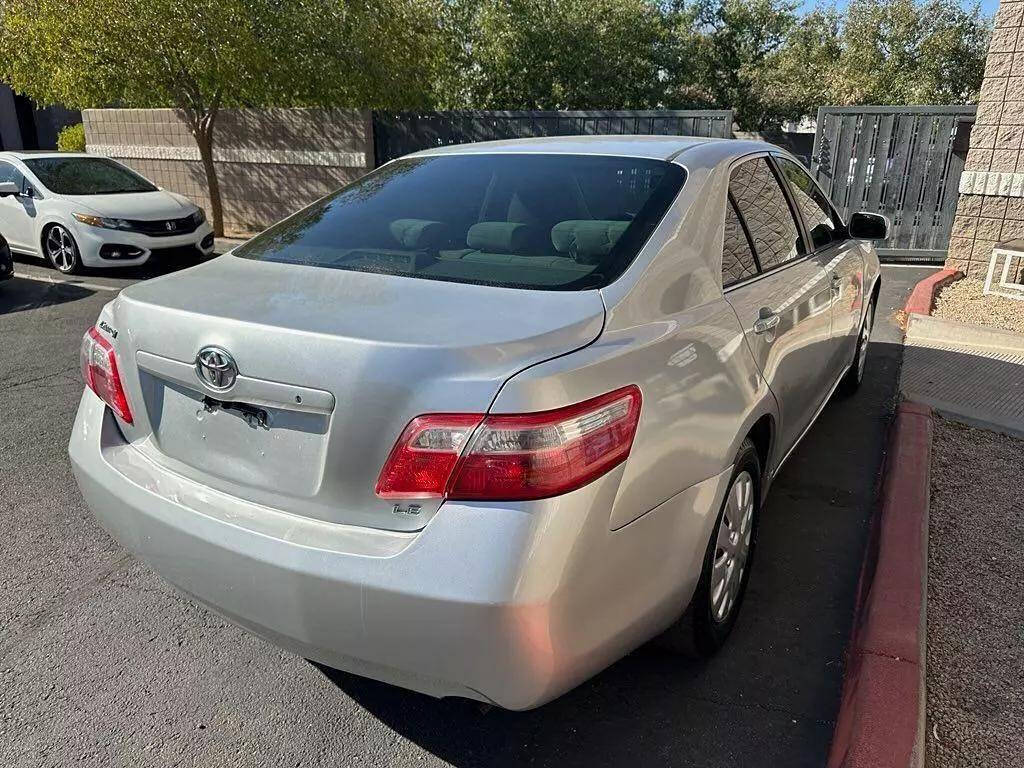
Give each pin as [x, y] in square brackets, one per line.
[761, 436]
[42, 236]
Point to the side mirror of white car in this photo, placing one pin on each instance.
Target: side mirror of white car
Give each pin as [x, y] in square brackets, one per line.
[9, 188]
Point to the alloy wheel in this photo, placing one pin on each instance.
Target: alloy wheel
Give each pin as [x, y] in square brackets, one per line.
[732, 547]
[60, 249]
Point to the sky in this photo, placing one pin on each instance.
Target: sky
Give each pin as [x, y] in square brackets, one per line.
[988, 7]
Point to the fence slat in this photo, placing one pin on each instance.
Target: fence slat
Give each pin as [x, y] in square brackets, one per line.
[862, 151]
[916, 168]
[942, 147]
[880, 162]
[841, 165]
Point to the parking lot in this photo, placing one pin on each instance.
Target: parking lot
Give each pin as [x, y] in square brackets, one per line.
[102, 664]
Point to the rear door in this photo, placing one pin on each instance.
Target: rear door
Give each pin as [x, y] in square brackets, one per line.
[780, 293]
[839, 255]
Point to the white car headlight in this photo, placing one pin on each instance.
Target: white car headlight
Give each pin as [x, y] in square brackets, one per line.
[199, 216]
[101, 221]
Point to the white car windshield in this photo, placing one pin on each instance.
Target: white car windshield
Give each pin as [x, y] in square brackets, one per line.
[86, 176]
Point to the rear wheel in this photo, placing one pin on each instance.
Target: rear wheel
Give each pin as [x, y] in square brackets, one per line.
[853, 378]
[61, 250]
[709, 619]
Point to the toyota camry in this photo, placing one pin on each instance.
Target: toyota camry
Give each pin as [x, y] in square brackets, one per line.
[488, 418]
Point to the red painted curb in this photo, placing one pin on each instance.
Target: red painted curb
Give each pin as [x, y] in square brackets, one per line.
[880, 722]
[922, 298]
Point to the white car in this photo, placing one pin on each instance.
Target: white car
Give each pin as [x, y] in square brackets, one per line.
[86, 210]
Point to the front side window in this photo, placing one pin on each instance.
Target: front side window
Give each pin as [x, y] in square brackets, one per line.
[9, 173]
[823, 224]
[551, 222]
[738, 259]
[86, 176]
[766, 212]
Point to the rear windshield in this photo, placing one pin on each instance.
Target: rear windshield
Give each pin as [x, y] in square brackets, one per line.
[553, 222]
[86, 176]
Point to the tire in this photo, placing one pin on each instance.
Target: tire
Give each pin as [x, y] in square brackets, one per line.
[61, 250]
[711, 615]
[852, 380]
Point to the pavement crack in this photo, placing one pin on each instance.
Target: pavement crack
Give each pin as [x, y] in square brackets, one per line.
[881, 655]
[35, 379]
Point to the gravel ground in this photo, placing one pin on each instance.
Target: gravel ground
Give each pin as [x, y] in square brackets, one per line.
[965, 302]
[975, 612]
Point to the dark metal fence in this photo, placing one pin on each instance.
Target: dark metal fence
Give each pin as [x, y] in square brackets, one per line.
[399, 133]
[904, 162]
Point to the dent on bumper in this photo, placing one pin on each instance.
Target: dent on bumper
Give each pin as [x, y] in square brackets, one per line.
[512, 604]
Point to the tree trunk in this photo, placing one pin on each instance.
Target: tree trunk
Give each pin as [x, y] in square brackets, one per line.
[203, 132]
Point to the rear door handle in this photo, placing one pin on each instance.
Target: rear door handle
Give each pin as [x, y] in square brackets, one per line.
[767, 322]
[836, 282]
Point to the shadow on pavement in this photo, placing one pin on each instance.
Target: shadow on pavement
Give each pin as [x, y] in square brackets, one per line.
[19, 294]
[155, 267]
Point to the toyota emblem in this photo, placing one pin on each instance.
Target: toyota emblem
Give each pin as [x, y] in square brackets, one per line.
[216, 368]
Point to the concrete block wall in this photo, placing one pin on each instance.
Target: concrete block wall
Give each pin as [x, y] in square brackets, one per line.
[991, 205]
[270, 162]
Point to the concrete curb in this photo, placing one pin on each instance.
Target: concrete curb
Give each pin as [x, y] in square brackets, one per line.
[922, 298]
[881, 716]
[927, 330]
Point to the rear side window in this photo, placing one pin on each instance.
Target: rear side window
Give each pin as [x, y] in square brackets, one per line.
[766, 213]
[738, 259]
[823, 224]
[551, 222]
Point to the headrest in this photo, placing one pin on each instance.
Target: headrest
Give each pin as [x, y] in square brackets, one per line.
[418, 233]
[499, 236]
[587, 240]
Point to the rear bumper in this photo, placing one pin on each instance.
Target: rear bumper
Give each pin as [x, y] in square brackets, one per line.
[511, 604]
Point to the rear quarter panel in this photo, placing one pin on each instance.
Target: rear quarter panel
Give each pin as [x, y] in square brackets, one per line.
[670, 331]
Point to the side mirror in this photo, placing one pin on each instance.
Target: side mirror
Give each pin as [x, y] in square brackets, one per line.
[869, 226]
[9, 189]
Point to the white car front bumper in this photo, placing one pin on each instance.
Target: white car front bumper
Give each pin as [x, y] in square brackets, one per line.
[94, 244]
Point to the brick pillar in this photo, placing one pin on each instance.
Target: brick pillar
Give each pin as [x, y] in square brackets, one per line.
[991, 206]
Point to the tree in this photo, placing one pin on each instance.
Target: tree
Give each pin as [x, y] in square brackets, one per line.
[902, 52]
[730, 45]
[201, 56]
[556, 54]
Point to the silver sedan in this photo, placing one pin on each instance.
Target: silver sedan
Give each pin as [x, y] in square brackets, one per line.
[490, 417]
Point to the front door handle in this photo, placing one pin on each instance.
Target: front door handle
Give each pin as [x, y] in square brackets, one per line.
[836, 282]
[768, 321]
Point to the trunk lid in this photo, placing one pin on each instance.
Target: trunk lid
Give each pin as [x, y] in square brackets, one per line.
[332, 365]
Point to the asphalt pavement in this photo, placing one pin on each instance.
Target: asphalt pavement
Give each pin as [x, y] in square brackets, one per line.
[103, 664]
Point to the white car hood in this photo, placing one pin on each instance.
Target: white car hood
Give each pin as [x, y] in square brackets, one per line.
[134, 205]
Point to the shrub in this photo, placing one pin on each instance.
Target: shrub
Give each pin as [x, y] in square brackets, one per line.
[71, 138]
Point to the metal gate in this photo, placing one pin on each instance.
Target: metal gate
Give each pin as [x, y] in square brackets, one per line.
[399, 133]
[903, 162]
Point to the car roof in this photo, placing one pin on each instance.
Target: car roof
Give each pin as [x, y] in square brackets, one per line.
[650, 147]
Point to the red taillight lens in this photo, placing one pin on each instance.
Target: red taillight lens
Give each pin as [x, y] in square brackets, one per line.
[423, 458]
[513, 457]
[99, 369]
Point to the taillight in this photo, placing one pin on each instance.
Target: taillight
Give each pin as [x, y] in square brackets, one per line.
[99, 369]
[512, 457]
